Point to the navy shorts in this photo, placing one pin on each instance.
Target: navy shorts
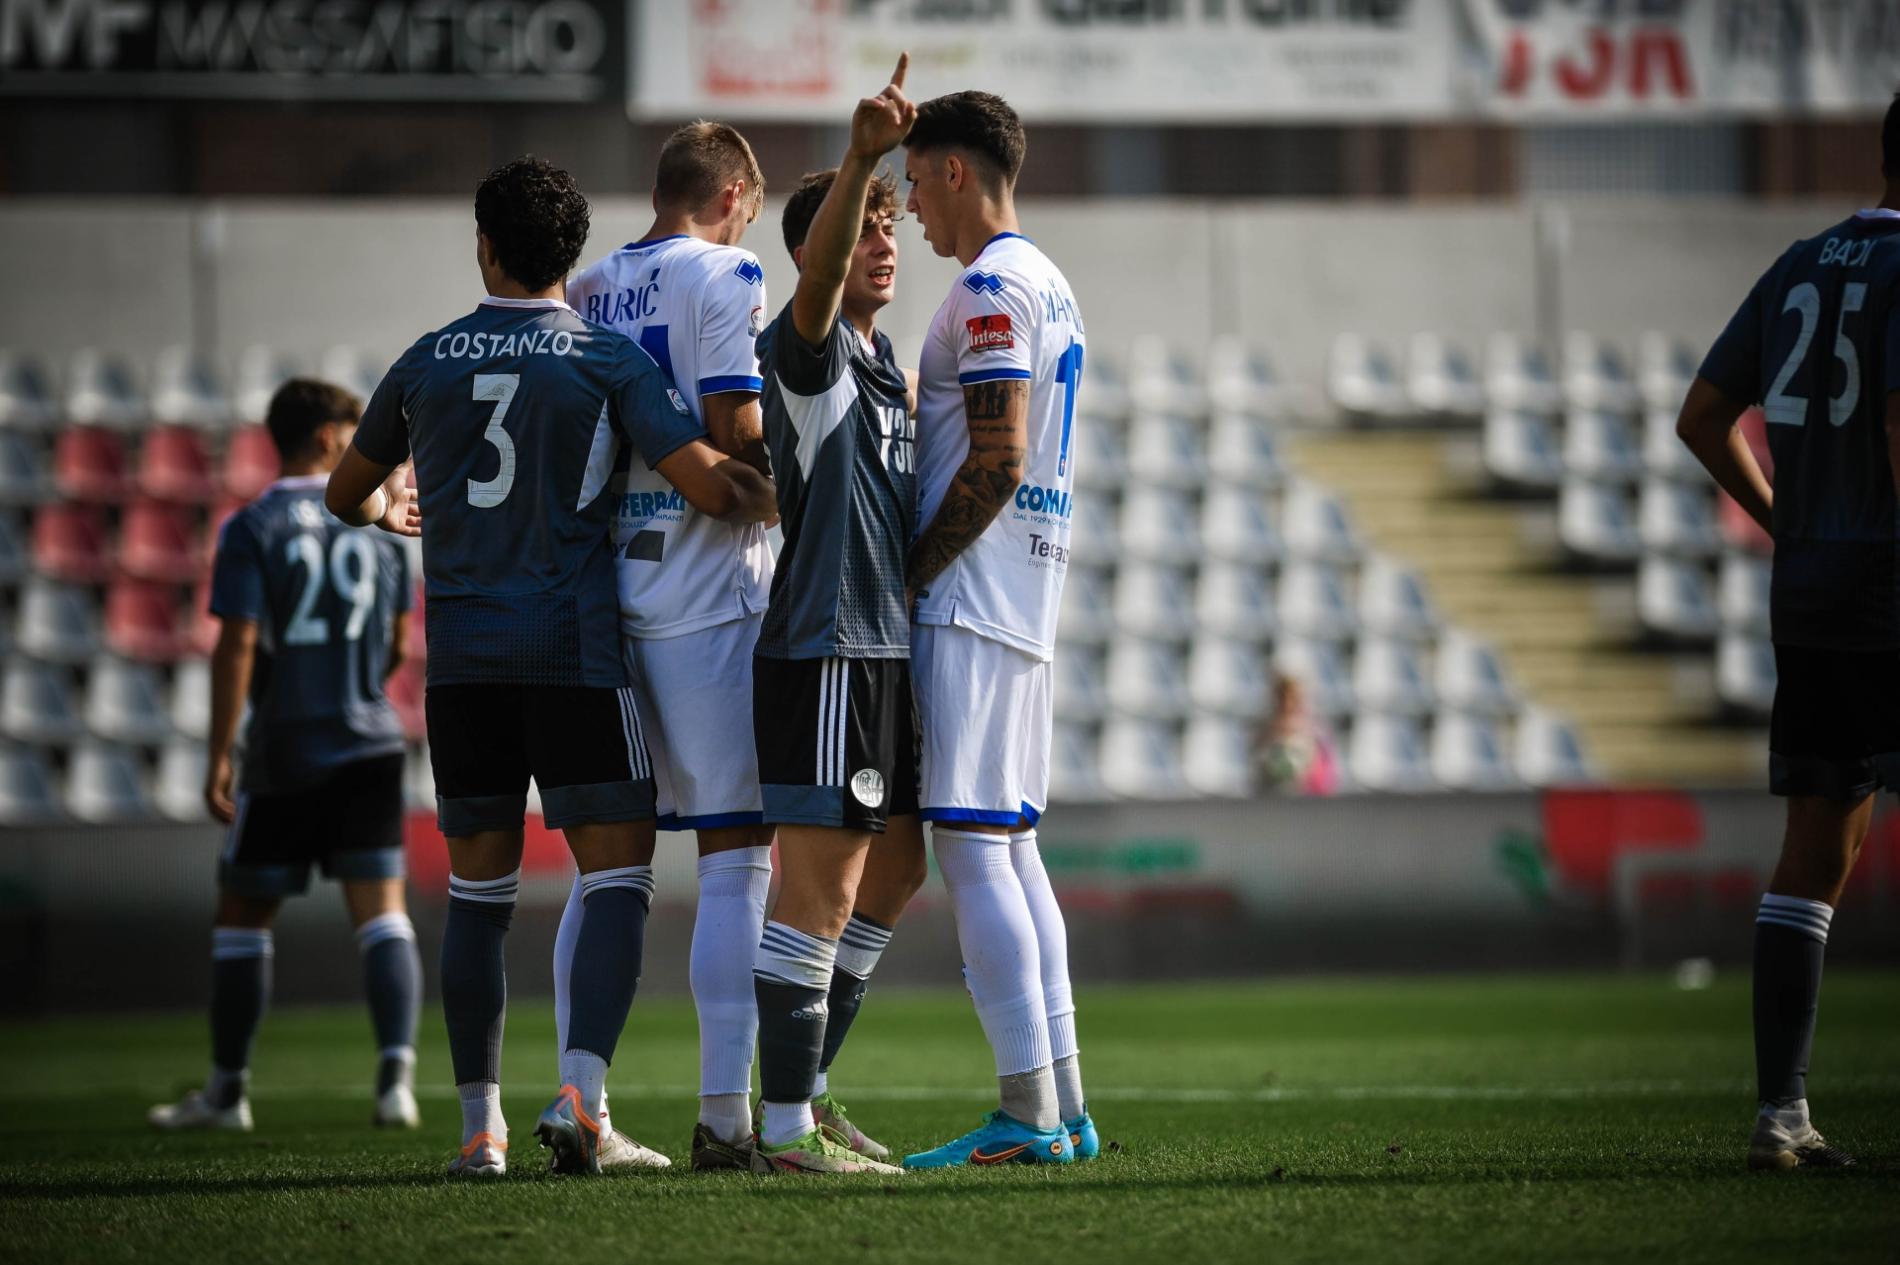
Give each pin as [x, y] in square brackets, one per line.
[1835, 732]
[349, 825]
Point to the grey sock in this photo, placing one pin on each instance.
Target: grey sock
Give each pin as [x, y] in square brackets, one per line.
[1030, 1097]
[1068, 1073]
[392, 980]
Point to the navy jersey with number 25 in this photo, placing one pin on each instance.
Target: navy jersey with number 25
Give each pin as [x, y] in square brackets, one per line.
[1816, 344]
[514, 414]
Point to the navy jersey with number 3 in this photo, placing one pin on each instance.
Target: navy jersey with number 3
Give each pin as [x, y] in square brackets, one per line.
[1816, 344]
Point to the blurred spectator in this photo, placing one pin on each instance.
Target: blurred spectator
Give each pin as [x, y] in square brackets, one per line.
[1295, 754]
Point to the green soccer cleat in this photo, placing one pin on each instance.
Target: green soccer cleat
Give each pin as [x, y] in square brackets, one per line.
[815, 1153]
[830, 1115]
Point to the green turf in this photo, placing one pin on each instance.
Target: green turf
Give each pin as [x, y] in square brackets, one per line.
[1328, 1120]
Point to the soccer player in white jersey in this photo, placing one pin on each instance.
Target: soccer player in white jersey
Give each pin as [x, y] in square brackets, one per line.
[692, 593]
[996, 389]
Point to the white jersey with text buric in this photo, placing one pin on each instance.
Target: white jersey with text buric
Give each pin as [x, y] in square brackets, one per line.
[1010, 315]
[697, 308]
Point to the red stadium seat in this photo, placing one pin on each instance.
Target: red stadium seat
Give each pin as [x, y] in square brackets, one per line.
[250, 463]
[405, 690]
[142, 621]
[69, 543]
[89, 465]
[175, 465]
[418, 646]
[160, 542]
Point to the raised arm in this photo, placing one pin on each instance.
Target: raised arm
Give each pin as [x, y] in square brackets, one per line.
[997, 412]
[877, 126]
[1707, 426]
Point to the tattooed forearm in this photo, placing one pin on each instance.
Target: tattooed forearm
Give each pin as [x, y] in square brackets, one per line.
[998, 416]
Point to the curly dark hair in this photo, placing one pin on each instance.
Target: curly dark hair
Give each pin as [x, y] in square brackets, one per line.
[981, 124]
[303, 406]
[880, 203]
[535, 218]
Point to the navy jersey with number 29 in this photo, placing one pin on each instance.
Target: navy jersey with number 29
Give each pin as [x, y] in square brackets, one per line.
[1817, 345]
[514, 415]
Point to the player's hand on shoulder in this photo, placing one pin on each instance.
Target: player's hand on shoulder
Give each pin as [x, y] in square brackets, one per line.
[880, 123]
[219, 781]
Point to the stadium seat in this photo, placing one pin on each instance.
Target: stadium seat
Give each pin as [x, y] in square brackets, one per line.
[29, 794]
[1104, 390]
[1316, 527]
[1244, 452]
[142, 621]
[175, 465]
[260, 371]
[1153, 601]
[354, 369]
[1075, 774]
[1321, 668]
[190, 702]
[89, 465]
[1517, 377]
[1676, 599]
[1522, 450]
[1086, 616]
[36, 704]
[1664, 455]
[105, 785]
[1313, 603]
[26, 394]
[186, 390]
[125, 703]
[1440, 380]
[1742, 594]
[1158, 525]
[1237, 526]
[1596, 376]
[179, 790]
[1393, 601]
[1081, 691]
[23, 477]
[1234, 601]
[1101, 460]
[1677, 519]
[1362, 383]
[201, 627]
[1602, 446]
[1167, 450]
[1095, 531]
[1547, 752]
[1217, 756]
[1241, 379]
[1389, 677]
[1228, 678]
[69, 543]
[1145, 678]
[101, 391]
[1141, 759]
[1387, 753]
[404, 689]
[1596, 522]
[418, 779]
[1161, 381]
[16, 558]
[1665, 366]
[1468, 754]
[56, 623]
[1469, 677]
[1745, 674]
[160, 542]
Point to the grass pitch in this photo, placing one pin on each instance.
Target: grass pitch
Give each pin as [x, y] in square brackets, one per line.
[1560, 1118]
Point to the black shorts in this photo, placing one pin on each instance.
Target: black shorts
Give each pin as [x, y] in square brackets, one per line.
[837, 741]
[581, 745]
[349, 824]
[1836, 726]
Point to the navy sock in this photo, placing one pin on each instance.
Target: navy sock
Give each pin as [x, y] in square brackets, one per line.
[791, 977]
[859, 948]
[607, 956]
[1790, 947]
[240, 993]
[474, 979]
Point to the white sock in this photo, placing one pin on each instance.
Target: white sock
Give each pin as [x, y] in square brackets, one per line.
[1790, 1116]
[732, 890]
[820, 1083]
[587, 1073]
[785, 1122]
[1052, 945]
[998, 938]
[481, 1111]
[565, 938]
[1068, 1074]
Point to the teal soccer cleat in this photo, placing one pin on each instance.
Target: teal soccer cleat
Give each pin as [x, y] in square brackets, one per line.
[1000, 1139]
[1084, 1141]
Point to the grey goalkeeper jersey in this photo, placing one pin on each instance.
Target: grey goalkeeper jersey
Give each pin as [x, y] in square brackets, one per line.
[841, 439]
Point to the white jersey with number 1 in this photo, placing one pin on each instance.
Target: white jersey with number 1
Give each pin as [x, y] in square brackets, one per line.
[1010, 315]
[697, 308]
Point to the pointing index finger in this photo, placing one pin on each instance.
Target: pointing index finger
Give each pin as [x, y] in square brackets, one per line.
[903, 64]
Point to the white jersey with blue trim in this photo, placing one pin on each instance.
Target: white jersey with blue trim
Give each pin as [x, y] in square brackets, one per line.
[697, 308]
[1010, 315]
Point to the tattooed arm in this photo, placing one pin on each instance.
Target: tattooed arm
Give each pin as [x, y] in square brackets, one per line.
[998, 415]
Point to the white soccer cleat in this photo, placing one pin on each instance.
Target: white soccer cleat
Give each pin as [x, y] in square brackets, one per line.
[617, 1150]
[396, 1109]
[1776, 1146]
[195, 1112]
[481, 1159]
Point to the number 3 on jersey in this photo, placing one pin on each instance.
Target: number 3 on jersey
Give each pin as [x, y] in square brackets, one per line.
[486, 494]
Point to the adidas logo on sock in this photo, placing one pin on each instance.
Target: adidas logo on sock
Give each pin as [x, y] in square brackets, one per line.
[814, 1012]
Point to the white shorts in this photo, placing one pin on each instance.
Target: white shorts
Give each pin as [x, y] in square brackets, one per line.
[693, 694]
[984, 710]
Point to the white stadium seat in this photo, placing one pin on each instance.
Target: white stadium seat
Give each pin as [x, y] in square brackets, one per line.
[353, 368]
[1235, 601]
[260, 371]
[1104, 390]
[23, 476]
[1158, 525]
[1094, 530]
[1440, 380]
[56, 622]
[1079, 687]
[1676, 599]
[1087, 614]
[1601, 445]
[1522, 450]
[1665, 366]
[1245, 452]
[190, 702]
[1141, 759]
[1389, 677]
[29, 795]
[101, 391]
[26, 394]
[1547, 752]
[105, 785]
[1217, 756]
[186, 390]
[1393, 601]
[1167, 450]
[1101, 460]
[36, 704]
[178, 793]
[125, 703]
[1675, 518]
[1228, 678]
[1146, 678]
[1595, 521]
[1075, 774]
[1154, 601]
[1315, 525]
[1241, 379]
[1468, 754]
[1237, 526]
[1321, 668]
[1314, 603]
[1387, 753]
[1362, 382]
[1161, 381]
[1742, 594]
[1517, 377]
[1468, 676]
[1596, 376]
[1745, 674]
[1664, 455]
